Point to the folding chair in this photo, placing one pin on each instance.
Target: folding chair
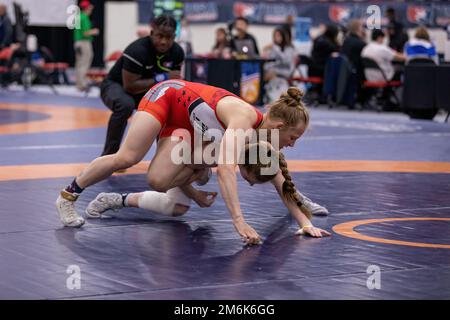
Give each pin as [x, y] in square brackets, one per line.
[315, 82]
[385, 84]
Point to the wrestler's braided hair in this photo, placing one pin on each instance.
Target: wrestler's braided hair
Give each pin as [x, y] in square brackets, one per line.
[289, 190]
[266, 150]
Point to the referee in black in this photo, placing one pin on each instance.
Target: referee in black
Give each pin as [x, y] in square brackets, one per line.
[144, 63]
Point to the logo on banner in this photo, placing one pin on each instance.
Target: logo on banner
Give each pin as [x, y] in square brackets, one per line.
[419, 14]
[277, 13]
[241, 9]
[201, 11]
[339, 14]
[442, 15]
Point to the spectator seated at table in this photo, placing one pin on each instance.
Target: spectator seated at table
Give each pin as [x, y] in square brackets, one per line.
[221, 48]
[383, 56]
[278, 71]
[243, 44]
[324, 46]
[421, 47]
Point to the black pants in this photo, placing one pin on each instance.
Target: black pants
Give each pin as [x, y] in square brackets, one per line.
[122, 105]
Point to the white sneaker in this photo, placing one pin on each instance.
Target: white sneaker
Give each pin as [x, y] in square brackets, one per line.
[316, 209]
[206, 175]
[65, 205]
[104, 201]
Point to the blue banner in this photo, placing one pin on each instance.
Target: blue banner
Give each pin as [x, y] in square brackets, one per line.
[302, 29]
[410, 13]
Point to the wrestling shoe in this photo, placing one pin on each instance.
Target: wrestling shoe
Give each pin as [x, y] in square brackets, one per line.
[315, 208]
[104, 201]
[65, 205]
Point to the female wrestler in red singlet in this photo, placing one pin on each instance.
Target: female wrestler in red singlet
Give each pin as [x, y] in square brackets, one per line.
[176, 104]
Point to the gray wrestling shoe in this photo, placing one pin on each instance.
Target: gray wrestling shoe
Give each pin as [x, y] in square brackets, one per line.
[316, 209]
[65, 205]
[104, 201]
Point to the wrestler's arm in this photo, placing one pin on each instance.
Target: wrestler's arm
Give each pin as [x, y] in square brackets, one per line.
[234, 118]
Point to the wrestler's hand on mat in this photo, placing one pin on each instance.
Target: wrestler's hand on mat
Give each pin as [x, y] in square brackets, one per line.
[247, 233]
[204, 199]
[313, 232]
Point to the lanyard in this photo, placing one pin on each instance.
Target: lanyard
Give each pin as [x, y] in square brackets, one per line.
[158, 63]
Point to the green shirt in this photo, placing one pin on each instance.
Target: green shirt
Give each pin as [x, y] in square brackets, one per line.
[85, 25]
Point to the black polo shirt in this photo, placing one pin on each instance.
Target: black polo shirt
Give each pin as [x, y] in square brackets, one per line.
[140, 57]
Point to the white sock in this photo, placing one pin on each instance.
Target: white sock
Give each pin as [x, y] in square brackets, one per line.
[161, 202]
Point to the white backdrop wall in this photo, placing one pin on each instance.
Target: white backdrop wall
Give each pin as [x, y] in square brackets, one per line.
[120, 25]
[42, 12]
